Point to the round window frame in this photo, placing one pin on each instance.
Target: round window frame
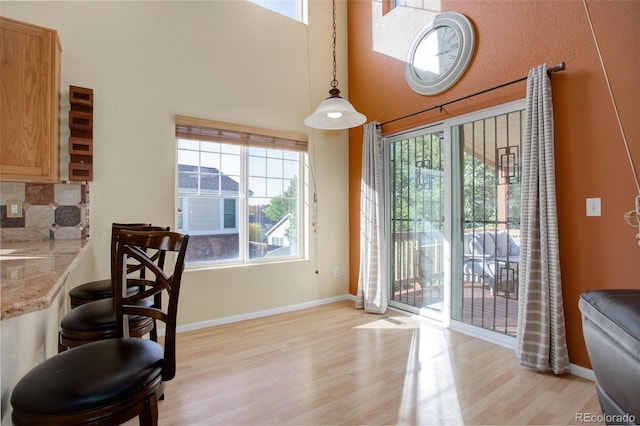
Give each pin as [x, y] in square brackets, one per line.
[461, 25]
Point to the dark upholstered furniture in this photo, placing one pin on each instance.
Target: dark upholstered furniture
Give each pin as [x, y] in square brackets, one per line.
[611, 327]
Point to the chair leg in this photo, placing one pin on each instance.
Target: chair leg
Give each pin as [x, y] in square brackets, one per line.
[161, 392]
[149, 415]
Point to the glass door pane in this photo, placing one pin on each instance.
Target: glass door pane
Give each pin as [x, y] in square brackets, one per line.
[485, 293]
[416, 210]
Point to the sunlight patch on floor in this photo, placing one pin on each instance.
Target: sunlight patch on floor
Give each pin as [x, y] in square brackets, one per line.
[397, 322]
[429, 393]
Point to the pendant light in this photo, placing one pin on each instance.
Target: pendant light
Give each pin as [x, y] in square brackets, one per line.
[335, 112]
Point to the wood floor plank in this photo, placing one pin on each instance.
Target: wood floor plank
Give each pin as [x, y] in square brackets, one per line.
[334, 364]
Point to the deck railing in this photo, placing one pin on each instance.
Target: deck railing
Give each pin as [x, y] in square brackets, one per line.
[417, 268]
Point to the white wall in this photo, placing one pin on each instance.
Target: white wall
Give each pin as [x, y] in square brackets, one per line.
[223, 60]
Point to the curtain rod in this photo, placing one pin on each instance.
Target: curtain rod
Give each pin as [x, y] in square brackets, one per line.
[559, 67]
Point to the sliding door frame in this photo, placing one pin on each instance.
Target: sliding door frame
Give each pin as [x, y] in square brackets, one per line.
[443, 315]
[453, 204]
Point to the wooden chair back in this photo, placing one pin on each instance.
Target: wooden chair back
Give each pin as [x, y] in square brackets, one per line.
[156, 256]
[115, 230]
[137, 246]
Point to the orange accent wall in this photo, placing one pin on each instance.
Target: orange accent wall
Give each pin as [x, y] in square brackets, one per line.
[591, 161]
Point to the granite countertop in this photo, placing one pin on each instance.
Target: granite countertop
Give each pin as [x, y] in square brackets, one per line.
[34, 272]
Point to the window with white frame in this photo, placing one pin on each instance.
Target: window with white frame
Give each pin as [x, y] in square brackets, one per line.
[239, 192]
[294, 9]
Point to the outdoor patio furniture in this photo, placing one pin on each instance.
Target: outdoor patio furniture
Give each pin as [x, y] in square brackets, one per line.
[492, 258]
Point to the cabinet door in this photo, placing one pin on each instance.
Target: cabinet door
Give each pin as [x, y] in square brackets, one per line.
[29, 97]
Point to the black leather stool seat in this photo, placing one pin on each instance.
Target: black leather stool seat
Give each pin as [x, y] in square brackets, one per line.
[97, 320]
[611, 327]
[94, 290]
[101, 288]
[111, 371]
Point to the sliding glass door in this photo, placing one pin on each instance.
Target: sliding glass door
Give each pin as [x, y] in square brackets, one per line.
[454, 219]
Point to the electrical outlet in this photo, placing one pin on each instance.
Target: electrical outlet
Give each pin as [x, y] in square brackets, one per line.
[594, 207]
[14, 208]
[336, 272]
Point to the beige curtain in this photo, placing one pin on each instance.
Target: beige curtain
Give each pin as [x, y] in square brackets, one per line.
[372, 293]
[541, 338]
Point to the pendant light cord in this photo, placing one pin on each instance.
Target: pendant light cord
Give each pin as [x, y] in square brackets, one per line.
[613, 100]
[311, 155]
[334, 82]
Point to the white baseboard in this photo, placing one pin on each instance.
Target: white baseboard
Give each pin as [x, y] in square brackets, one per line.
[585, 373]
[254, 315]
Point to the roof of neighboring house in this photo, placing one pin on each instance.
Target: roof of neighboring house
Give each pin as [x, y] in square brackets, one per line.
[281, 222]
[211, 179]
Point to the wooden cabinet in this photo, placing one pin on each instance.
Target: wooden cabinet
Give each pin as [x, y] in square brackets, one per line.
[29, 102]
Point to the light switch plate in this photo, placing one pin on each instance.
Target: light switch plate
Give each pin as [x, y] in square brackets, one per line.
[594, 207]
[14, 208]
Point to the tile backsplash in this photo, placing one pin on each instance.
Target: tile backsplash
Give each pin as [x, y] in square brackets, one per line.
[50, 211]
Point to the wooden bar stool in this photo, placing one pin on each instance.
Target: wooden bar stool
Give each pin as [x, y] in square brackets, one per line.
[111, 381]
[101, 289]
[96, 320]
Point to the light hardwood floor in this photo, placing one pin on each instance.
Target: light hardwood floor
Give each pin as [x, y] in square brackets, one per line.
[334, 364]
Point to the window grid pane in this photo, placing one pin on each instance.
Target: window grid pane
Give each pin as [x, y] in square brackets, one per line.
[210, 185]
[273, 221]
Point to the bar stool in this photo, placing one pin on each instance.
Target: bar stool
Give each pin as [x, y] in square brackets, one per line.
[113, 380]
[101, 289]
[96, 320]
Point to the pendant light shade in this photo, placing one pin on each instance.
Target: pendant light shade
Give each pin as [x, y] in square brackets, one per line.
[335, 112]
